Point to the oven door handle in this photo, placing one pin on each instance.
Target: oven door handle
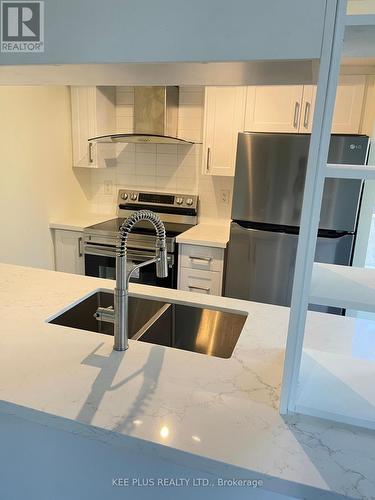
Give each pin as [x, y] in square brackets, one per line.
[141, 257]
[110, 251]
[100, 250]
[133, 245]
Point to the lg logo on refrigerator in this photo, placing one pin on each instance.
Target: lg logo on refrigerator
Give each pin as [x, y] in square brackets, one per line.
[22, 26]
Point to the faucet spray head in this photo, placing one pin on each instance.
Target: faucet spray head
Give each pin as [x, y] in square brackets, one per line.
[162, 262]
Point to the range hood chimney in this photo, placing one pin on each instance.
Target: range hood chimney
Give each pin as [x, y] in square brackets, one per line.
[155, 118]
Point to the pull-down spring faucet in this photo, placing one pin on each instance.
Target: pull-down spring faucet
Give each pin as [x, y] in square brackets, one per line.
[119, 315]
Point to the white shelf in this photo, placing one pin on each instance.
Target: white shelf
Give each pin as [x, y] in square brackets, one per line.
[337, 387]
[359, 38]
[343, 286]
[336, 379]
[350, 171]
[360, 20]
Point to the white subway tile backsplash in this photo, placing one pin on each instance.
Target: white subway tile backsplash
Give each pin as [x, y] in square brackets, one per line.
[125, 110]
[126, 169]
[126, 157]
[145, 169]
[166, 183]
[189, 121]
[146, 181]
[125, 147]
[145, 148]
[166, 170]
[186, 185]
[124, 96]
[124, 124]
[170, 149]
[166, 159]
[145, 159]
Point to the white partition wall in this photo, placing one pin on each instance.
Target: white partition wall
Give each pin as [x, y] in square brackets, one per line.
[329, 367]
[146, 31]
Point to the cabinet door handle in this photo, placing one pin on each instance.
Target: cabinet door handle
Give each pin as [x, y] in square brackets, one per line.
[205, 259]
[208, 162]
[193, 287]
[80, 252]
[91, 160]
[306, 117]
[296, 114]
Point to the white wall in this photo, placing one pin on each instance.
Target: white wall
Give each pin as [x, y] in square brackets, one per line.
[37, 180]
[93, 31]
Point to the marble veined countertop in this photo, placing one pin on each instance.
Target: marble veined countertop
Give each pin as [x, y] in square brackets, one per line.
[78, 222]
[207, 234]
[182, 404]
[214, 234]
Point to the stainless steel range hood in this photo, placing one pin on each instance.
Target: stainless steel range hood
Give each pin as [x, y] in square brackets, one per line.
[155, 118]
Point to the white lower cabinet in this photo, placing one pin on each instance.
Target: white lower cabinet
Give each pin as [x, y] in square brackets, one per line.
[200, 269]
[69, 251]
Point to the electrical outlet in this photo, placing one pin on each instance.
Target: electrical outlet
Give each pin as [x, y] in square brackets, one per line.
[108, 187]
[224, 196]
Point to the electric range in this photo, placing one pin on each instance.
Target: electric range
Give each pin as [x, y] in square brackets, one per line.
[178, 213]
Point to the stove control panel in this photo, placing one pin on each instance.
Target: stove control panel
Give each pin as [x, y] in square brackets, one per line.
[127, 198]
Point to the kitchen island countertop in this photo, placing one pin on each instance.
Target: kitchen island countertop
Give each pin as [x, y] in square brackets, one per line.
[220, 410]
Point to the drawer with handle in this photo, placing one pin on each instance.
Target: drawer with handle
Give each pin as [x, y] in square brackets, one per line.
[201, 257]
[198, 281]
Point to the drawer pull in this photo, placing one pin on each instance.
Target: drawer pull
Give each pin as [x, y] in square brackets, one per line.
[205, 259]
[193, 287]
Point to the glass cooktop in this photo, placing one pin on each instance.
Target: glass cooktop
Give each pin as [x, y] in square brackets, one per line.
[143, 227]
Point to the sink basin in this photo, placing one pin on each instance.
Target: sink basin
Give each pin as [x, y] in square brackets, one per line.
[206, 331]
[81, 315]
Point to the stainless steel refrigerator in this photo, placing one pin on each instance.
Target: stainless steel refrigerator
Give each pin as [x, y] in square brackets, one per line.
[267, 201]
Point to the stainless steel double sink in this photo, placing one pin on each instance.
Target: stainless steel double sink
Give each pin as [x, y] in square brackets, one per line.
[206, 331]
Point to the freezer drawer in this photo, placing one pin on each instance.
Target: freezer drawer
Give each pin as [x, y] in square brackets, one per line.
[260, 264]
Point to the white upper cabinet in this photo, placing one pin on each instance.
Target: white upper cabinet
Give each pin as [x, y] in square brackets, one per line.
[348, 107]
[224, 118]
[273, 108]
[290, 108]
[93, 114]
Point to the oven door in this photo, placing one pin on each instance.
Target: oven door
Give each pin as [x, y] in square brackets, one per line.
[100, 261]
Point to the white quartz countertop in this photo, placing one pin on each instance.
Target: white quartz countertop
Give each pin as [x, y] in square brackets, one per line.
[224, 411]
[78, 222]
[206, 234]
